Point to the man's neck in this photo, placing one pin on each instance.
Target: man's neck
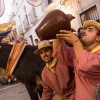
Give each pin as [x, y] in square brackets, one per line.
[50, 61]
[91, 47]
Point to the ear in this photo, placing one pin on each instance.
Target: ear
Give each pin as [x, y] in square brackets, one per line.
[98, 38]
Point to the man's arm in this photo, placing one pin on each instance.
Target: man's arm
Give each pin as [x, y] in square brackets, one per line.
[64, 54]
[56, 43]
[73, 39]
[78, 48]
[47, 91]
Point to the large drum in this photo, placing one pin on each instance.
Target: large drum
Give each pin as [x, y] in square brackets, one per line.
[52, 23]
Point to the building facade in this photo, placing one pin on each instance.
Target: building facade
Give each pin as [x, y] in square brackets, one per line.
[28, 17]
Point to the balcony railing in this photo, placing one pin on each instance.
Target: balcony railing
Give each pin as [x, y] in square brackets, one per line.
[32, 15]
[25, 22]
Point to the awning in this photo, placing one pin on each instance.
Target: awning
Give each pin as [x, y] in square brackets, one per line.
[5, 28]
[5, 33]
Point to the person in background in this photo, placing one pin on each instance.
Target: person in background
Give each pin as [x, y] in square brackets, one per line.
[36, 42]
[80, 30]
[84, 56]
[56, 76]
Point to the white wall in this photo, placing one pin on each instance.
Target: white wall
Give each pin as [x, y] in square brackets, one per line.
[20, 11]
[32, 32]
[70, 7]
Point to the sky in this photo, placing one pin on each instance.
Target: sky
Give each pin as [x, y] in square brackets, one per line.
[4, 18]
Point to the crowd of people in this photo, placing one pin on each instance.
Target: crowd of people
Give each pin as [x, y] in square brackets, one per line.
[72, 73]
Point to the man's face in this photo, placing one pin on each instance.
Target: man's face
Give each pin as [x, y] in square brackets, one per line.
[81, 31]
[89, 35]
[36, 42]
[46, 54]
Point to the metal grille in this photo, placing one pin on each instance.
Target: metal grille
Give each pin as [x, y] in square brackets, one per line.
[32, 15]
[25, 22]
[92, 14]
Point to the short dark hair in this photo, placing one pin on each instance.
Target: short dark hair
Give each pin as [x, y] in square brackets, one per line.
[73, 30]
[36, 39]
[50, 48]
[79, 29]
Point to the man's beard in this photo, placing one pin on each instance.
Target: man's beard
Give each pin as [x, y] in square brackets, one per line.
[87, 43]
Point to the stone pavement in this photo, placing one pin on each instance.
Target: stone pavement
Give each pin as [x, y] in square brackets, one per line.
[14, 92]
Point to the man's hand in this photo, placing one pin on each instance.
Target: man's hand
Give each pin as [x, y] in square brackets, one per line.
[68, 36]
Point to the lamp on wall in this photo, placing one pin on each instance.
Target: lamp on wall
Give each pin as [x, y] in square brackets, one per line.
[62, 2]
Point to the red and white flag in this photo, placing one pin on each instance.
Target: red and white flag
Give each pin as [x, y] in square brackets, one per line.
[35, 2]
[2, 7]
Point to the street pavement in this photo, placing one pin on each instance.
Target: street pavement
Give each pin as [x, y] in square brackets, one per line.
[14, 92]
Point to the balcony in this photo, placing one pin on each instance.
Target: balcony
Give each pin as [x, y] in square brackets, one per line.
[32, 15]
[26, 23]
[20, 29]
